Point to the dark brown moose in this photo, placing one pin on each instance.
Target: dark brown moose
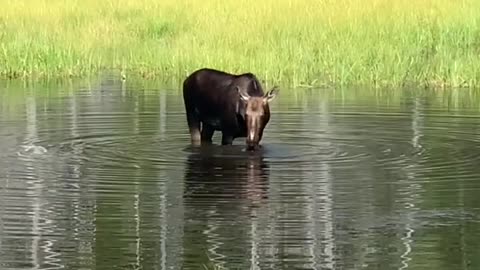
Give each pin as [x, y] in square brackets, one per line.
[233, 104]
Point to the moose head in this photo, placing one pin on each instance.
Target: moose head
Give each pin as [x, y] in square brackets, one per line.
[257, 114]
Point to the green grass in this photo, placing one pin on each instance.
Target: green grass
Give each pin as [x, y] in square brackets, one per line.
[295, 42]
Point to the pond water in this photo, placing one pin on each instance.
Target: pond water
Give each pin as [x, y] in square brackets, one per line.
[101, 175]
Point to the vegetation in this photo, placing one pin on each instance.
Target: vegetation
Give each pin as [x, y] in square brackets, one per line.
[301, 42]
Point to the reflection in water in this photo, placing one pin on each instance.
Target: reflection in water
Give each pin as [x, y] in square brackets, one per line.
[36, 192]
[411, 190]
[43, 255]
[226, 185]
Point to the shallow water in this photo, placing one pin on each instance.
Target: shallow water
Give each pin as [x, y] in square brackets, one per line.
[102, 176]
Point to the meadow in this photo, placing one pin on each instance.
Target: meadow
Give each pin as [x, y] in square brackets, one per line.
[427, 43]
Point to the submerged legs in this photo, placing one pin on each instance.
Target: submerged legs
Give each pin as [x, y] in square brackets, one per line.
[207, 133]
[227, 139]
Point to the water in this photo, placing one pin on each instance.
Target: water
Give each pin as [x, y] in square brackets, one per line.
[102, 176]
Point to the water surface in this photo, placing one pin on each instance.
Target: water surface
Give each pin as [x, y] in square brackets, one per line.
[101, 175]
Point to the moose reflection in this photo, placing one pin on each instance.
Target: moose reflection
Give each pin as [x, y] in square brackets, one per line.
[224, 185]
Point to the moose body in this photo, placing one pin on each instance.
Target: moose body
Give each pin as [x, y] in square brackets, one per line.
[233, 104]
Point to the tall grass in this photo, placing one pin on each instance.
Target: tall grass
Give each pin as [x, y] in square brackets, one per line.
[301, 42]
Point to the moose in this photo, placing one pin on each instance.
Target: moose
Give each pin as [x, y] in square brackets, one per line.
[234, 104]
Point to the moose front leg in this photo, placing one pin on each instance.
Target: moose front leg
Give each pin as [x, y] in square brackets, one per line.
[227, 139]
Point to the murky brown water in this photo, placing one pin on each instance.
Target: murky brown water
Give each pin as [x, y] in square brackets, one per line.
[101, 176]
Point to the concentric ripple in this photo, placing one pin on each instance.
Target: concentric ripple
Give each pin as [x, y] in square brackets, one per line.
[106, 178]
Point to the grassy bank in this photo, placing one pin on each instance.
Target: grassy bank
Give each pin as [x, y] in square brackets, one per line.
[426, 42]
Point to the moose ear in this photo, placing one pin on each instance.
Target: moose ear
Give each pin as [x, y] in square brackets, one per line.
[271, 94]
[243, 94]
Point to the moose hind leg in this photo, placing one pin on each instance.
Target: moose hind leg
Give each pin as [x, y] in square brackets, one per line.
[207, 133]
[227, 139]
[194, 126]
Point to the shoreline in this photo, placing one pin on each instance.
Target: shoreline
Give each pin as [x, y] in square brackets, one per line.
[300, 43]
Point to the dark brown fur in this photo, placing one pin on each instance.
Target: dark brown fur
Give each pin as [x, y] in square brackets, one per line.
[233, 104]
